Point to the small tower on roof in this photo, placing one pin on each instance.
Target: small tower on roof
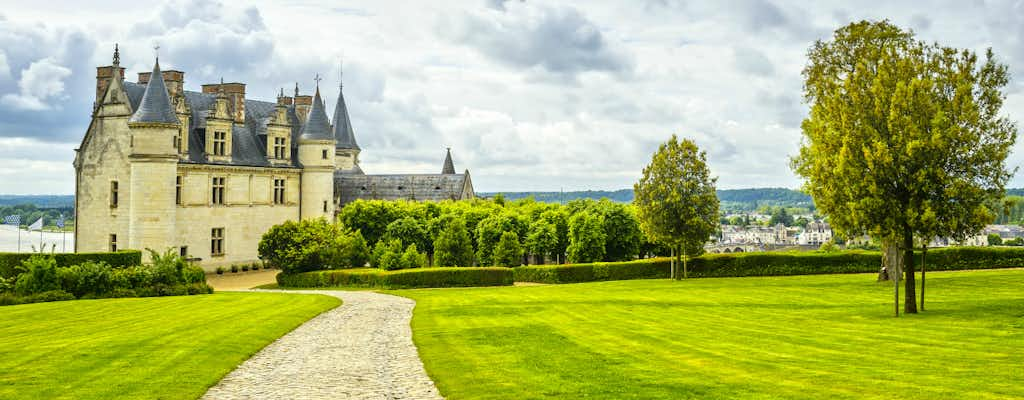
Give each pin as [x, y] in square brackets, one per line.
[345, 148]
[316, 154]
[449, 166]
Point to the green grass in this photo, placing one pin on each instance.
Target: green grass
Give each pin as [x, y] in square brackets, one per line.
[141, 348]
[802, 337]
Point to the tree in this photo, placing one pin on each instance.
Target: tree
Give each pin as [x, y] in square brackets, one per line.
[453, 246]
[409, 231]
[621, 229]
[676, 201]
[994, 239]
[541, 240]
[780, 216]
[586, 238]
[558, 218]
[489, 232]
[508, 252]
[903, 138]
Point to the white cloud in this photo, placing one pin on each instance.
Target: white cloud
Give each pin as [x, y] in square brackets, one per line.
[41, 82]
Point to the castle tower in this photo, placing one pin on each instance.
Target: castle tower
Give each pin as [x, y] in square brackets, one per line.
[153, 164]
[316, 154]
[345, 149]
[449, 166]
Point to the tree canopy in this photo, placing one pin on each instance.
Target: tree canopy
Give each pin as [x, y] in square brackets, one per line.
[903, 138]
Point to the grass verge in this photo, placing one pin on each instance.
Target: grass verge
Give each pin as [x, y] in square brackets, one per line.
[140, 348]
[800, 337]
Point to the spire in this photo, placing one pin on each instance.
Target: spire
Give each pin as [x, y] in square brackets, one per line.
[449, 166]
[117, 56]
[317, 126]
[296, 89]
[344, 136]
[156, 104]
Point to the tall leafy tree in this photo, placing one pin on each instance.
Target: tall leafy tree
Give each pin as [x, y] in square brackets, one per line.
[541, 240]
[453, 246]
[903, 138]
[621, 229]
[675, 199]
[508, 252]
[586, 238]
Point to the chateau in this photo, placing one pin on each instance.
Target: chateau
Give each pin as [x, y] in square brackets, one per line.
[207, 173]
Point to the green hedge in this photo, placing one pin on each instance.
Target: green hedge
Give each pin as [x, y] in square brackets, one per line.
[119, 259]
[772, 264]
[401, 279]
[602, 271]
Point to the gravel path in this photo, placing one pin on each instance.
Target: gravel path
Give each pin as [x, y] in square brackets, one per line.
[361, 350]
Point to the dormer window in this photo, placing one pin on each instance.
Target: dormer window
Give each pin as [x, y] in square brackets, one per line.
[279, 148]
[220, 143]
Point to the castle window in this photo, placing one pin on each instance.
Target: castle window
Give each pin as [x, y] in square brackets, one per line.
[325, 154]
[218, 190]
[177, 190]
[217, 242]
[220, 143]
[279, 148]
[278, 191]
[401, 187]
[113, 242]
[113, 194]
[184, 251]
[437, 188]
[325, 206]
[175, 142]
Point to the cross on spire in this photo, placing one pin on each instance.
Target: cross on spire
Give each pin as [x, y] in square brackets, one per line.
[117, 55]
[317, 79]
[341, 72]
[156, 51]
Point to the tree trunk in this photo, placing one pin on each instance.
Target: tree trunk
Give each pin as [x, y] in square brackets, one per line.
[910, 294]
[892, 260]
[924, 251]
[679, 257]
[672, 263]
[683, 251]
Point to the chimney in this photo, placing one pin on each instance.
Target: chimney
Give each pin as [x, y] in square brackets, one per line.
[284, 100]
[236, 97]
[302, 105]
[103, 77]
[173, 79]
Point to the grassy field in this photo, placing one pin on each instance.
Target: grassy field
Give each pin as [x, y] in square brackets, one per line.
[803, 337]
[147, 348]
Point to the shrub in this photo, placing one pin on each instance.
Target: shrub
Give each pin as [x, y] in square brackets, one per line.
[412, 258]
[404, 279]
[192, 274]
[603, 271]
[254, 266]
[453, 246]
[245, 267]
[220, 270]
[508, 252]
[387, 255]
[50, 295]
[234, 268]
[586, 238]
[40, 275]
[89, 278]
[9, 262]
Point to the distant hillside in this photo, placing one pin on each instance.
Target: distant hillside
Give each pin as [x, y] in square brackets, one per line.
[621, 196]
[41, 201]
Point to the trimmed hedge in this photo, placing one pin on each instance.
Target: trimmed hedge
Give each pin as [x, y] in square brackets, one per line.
[652, 268]
[401, 279]
[119, 259]
[772, 264]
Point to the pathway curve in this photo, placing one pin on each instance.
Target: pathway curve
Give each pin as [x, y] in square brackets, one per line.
[360, 350]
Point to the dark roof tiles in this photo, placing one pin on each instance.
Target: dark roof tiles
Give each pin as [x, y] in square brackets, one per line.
[155, 105]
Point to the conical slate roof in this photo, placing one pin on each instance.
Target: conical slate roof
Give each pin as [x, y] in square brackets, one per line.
[344, 137]
[156, 104]
[449, 166]
[317, 126]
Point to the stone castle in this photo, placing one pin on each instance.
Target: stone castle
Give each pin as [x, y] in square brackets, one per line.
[207, 173]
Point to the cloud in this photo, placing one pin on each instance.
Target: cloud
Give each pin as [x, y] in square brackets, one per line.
[42, 81]
[752, 61]
[555, 40]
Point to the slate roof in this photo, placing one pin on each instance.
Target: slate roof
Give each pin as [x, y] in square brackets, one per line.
[317, 126]
[449, 166]
[155, 104]
[434, 187]
[344, 137]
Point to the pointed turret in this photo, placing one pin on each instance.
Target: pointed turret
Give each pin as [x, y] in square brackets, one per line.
[344, 137]
[155, 106]
[449, 166]
[317, 126]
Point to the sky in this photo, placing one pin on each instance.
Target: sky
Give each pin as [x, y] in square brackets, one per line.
[530, 96]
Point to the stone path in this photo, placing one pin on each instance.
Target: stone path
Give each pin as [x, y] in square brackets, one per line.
[361, 350]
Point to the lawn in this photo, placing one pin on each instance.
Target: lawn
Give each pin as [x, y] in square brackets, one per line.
[140, 348]
[802, 337]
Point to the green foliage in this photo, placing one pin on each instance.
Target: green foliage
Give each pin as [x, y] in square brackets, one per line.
[994, 239]
[409, 231]
[387, 255]
[675, 199]
[39, 275]
[508, 252]
[453, 246]
[621, 229]
[412, 258]
[87, 278]
[310, 245]
[781, 216]
[490, 230]
[542, 239]
[586, 238]
[234, 268]
[219, 270]
[9, 262]
[653, 268]
[828, 247]
[404, 279]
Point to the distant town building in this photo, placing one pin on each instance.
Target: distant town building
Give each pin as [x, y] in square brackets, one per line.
[815, 234]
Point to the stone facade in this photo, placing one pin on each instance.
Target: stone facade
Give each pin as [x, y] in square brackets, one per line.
[207, 173]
